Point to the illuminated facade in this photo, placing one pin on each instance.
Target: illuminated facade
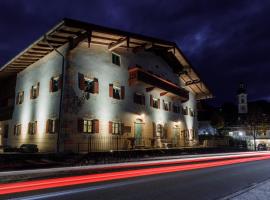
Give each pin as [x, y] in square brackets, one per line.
[103, 89]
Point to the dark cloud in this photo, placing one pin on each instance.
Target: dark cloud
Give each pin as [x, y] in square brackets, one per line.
[226, 41]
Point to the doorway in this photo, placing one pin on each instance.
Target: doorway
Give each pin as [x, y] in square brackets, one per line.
[138, 132]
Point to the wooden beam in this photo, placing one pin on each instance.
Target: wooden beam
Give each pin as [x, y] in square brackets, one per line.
[117, 44]
[192, 82]
[163, 93]
[149, 89]
[76, 33]
[45, 44]
[27, 59]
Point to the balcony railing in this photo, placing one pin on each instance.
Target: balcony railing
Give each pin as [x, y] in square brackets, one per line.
[137, 74]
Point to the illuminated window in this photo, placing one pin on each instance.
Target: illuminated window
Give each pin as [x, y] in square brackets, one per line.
[32, 128]
[116, 128]
[116, 59]
[34, 91]
[116, 92]
[88, 126]
[20, 97]
[52, 125]
[17, 129]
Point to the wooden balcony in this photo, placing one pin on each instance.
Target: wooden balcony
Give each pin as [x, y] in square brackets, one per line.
[137, 74]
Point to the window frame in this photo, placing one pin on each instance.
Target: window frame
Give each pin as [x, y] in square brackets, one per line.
[17, 129]
[116, 59]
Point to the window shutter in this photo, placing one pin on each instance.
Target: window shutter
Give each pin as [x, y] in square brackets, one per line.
[122, 128]
[111, 90]
[158, 103]
[22, 96]
[17, 98]
[96, 86]
[51, 85]
[154, 129]
[47, 125]
[110, 127]
[31, 93]
[96, 126]
[151, 100]
[122, 92]
[14, 129]
[80, 125]
[81, 81]
[57, 125]
[38, 89]
[35, 128]
[28, 129]
[60, 83]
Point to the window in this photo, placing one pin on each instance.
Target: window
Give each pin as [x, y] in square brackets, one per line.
[176, 108]
[185, 111]
[116, 59]
[32, 128]
[55, 84]
[20, 97]
[139, 98]
[88, 126]
[17, 129]
[154, 102]
[34, 91]
[52, 126]
[191, 112]
[242, 100]
[116, 92]
[160, 131]
[116, 128]
[166, 105]
[6, 131]
[89, 85]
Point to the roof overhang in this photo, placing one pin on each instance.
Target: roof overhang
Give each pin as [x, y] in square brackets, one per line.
[72, 32]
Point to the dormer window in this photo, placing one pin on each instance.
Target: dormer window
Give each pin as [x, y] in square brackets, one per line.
[116, 59]
[34, 93]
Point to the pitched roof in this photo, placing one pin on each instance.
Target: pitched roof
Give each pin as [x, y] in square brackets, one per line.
[74, 31]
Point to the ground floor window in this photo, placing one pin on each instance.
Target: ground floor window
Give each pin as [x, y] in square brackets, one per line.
[52, 126]
[32, 128]
[116, 128]
[88, 125]
[17, 129]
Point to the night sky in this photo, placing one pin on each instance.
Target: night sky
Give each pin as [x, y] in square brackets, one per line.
[227, 41]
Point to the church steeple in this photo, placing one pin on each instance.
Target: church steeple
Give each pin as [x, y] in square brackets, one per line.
[242, 99]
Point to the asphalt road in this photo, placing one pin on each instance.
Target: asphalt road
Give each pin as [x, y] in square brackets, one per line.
[209, 183]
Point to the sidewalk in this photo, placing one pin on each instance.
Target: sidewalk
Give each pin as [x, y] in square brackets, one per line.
[260, 191]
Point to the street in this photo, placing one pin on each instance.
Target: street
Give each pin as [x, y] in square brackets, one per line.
[205, 182]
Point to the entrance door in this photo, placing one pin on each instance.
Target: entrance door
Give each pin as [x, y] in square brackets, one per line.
[176, 136]
[138, 132]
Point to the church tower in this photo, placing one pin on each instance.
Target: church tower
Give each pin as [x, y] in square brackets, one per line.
[242, 99]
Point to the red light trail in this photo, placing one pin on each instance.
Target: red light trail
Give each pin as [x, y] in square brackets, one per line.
[93, 178]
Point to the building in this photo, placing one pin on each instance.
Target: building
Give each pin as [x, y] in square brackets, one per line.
[252, 123]
[84, 87]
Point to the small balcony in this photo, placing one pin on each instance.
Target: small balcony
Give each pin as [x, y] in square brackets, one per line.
[137, 74]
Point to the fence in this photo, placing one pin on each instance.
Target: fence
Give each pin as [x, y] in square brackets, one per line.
[117, 142]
